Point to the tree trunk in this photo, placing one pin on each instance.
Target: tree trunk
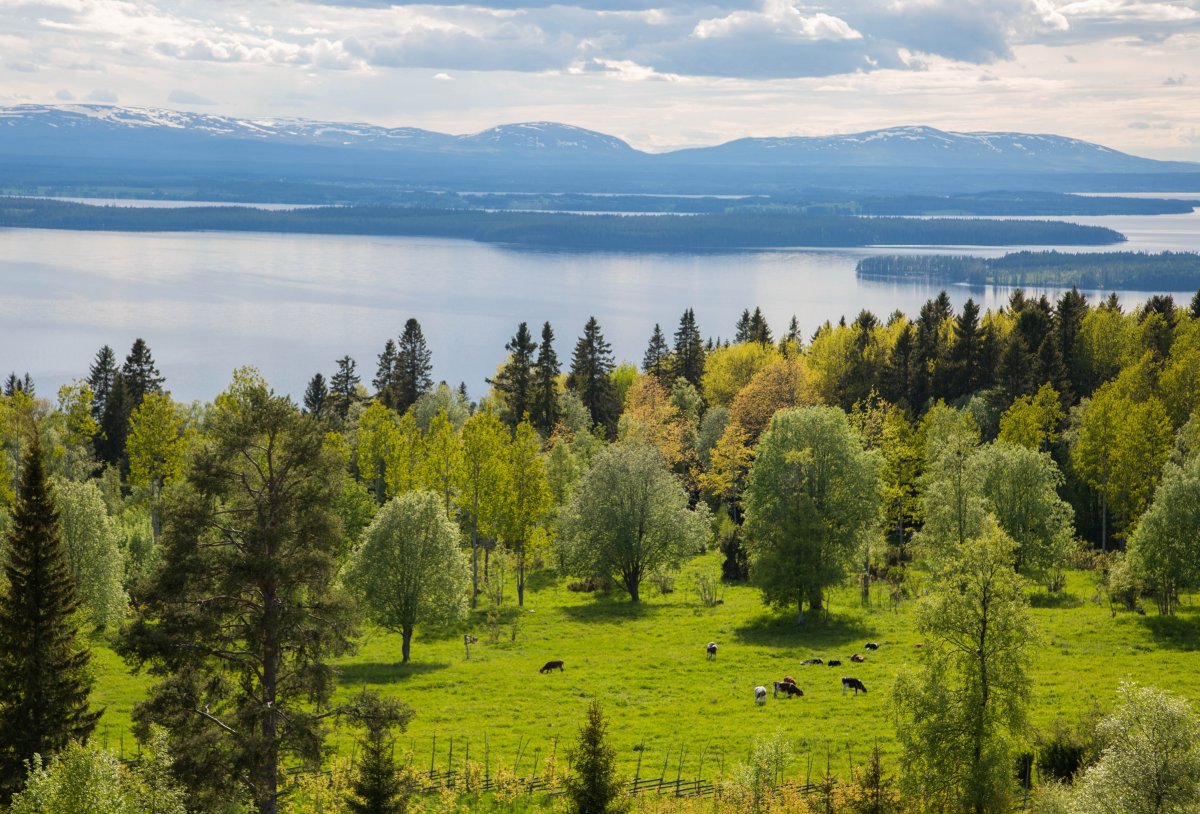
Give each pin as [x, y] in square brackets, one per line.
[1103, 523]
[815, 601]
[268, 768]
[405, 643]
[474, 566]
[521, 580]
[632, 582]
[800, 609]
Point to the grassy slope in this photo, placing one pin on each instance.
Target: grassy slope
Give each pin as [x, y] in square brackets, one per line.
[648, 665]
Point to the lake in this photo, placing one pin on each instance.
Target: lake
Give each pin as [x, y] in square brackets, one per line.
[291, 304]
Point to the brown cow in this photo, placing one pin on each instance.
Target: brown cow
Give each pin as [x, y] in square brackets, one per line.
[788, 689]
[858, 659]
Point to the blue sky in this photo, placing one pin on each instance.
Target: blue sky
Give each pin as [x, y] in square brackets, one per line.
[660, 74]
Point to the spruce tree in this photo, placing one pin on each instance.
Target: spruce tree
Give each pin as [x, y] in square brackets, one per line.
[689, 350]
[16, 384]
[343, 386]
[1194, 308]
[377, 787]
[792, 338]
[591, 366]
[100, 378]
[385, 374]
[965, 351]
[741, 331]
[114, 424]
[44, 684]
[593, 786]
[544, 405]
[316, 396]
[141, 375]
[413, 366]
[657, 361]
[759, 331]
[515, 381]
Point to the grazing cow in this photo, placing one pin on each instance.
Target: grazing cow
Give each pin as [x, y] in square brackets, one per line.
[552, 665]
[872, 645]
[788, 688]
[834, 663]
[852, 684]
[812, 661]
[760, 695]
[789, 680]
[711, 650]
[858, 659]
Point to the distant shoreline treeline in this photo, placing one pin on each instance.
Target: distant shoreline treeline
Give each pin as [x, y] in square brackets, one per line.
[713, 232]
[1167, 271]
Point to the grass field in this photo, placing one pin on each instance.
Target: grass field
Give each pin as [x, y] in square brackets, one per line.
[647, 664]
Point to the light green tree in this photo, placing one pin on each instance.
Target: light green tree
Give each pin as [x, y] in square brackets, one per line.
[1164, 550]
[952, 494]
[812, 503]
[1033, 421]
[1020, 488]
[442, 458]
[479, 481]
[527, 499]
[155, 446]
[409, 569]
[1151, 759]
[629, 517]
[93, 544]
[959, 717]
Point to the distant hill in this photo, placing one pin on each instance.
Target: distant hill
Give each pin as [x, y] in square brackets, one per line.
[97, 144]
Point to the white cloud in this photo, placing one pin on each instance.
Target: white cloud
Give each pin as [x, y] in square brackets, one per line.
[777, 18]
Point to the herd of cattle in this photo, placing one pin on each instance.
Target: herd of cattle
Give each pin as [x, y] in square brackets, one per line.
[787, 686]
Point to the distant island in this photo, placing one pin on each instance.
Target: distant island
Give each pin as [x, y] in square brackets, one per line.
[1166, 271]
[701, 232]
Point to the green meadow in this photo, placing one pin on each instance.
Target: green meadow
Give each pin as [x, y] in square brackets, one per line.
[669, 705]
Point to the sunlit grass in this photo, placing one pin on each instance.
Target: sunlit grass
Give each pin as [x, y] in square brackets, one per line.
[647, 664]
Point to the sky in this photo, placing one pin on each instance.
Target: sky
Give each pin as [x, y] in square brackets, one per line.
[661, 74]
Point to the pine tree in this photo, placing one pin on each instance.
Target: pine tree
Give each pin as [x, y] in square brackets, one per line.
[1194, 308]
[964, 365]
[1072, 307]
[16, 384]
[689, 350]
[316, 396]
[657, 361]
[413, 366]
[100, 378]
[544, 404]
[377, 787]
[343, 386]
[591, 365]
[593, 786]
[759, 331]
[385, 374]
[141, 376]
[792, 338]
[44, 685]
[516, 380]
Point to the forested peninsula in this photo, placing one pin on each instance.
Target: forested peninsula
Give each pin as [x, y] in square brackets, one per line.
[1142, 271]
[717, 232]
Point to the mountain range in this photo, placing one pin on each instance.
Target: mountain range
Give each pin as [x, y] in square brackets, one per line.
[100, 144]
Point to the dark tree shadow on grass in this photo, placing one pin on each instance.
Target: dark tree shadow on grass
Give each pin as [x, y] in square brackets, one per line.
[1179, 632]
[613, 607]
[546, 579]
[1060, 600]
[351, 675]
[778, 629]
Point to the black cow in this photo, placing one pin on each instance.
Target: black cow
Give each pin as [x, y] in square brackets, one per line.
[552, 665]
[852, 684]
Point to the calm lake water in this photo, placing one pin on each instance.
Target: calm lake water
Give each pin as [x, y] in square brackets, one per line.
[292, 304]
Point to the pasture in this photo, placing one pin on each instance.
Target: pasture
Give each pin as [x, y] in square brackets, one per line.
[663, 696]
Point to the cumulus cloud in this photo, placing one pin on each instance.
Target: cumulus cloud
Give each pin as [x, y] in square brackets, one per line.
[777, 18]
[64, 95]
[102, 95]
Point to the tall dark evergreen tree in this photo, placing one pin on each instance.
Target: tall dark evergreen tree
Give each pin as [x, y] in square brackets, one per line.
[16, 384]
[515, 381]
[343, 386]
[1069, 313]
[241, 620]
[44, 683]
[385, 374]
[1014, 370]
[792, 336]
[591, 366]
[965, 371]
[593, 786]
[114, 424]
[657, 361]
[141, 375]
[377, 787]
[689, 350]
[316, 396]
[100, 378]
[1194, 308]
[759, 331]
[898, 381]
[741, 330]
[413, 367]
[543, 410]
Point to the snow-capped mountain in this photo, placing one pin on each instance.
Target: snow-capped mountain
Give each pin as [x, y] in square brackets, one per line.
[133, 143]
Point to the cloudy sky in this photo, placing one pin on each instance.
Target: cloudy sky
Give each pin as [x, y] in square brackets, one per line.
[659, 73]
